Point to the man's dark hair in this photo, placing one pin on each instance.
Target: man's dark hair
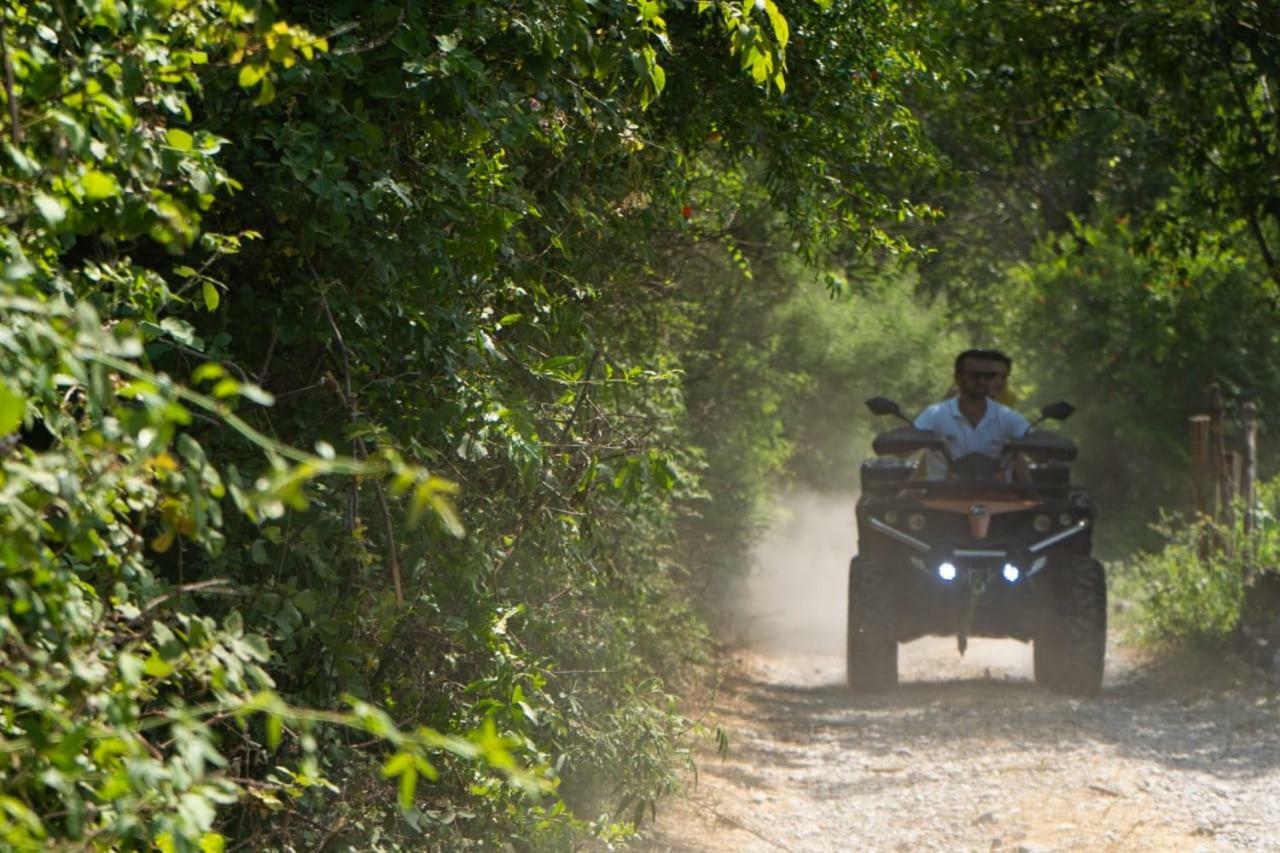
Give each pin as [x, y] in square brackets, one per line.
[970, 353]
[983, 355]
[996, 355]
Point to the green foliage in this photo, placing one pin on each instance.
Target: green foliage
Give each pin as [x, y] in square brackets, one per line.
[499, 283]
[874, 338]
[117, 692]
[112, 692]
[1157, 111]
[445, 246]
[1134, 338]
[1192, 590]
[546, 288]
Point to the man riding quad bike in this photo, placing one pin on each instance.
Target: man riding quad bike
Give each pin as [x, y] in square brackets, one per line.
[980, 548]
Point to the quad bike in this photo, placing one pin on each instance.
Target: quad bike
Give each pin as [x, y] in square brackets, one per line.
[976, 554]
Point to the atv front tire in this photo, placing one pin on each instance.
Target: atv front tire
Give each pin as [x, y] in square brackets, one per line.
[871, 650]
[1069, 652]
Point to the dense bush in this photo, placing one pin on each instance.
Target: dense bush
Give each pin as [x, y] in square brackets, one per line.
[449, 250]
[1193, 589]
[1190, 591]
[119, 695]
[1134, 339]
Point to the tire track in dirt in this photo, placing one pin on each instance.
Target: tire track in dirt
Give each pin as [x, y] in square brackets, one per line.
[967, 754]
[971, 755]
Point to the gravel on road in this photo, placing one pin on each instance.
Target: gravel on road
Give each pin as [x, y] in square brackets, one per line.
[968, 754]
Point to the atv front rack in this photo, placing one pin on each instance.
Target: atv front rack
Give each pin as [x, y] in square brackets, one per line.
[1031, 556]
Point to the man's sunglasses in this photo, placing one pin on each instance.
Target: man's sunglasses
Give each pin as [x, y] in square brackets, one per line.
[983, 374]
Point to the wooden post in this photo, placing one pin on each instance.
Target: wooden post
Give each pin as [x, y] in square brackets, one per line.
[1217, 450]
[1231, 465]
[1250, 474]
[1200, 463]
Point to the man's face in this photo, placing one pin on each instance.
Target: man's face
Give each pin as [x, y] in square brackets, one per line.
[997, 383]
[977, 378]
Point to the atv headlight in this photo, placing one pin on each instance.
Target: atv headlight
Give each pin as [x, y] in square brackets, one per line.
[891, 516]
[1042, 523]
[915, 521]
[1066, 519]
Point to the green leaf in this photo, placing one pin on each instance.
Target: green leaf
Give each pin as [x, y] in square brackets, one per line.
[12, 407]
[250, 74]
[24, 165]
[275, 730]
[397, 764]
[426, 768]
[18, 811]
[51, 210]
[208, 370]
[131, 668]
[256, 394]
[211, 297]
[157, 667]
[781, 31]
[408, 785]
[266, 93]
[99, 185]
[182, 332]
[179, 139]
[448, 515]
[257, 647]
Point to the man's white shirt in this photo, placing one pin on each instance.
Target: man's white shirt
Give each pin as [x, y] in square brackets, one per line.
[998, 425]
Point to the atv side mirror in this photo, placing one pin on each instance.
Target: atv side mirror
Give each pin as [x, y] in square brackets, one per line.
[1059, 411]
[883, 406]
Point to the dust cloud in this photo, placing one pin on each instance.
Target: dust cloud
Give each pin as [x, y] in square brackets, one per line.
[795, 595]
[795, 598]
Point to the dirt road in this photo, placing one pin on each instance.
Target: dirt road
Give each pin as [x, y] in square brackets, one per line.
[968, 754]
[972, 756]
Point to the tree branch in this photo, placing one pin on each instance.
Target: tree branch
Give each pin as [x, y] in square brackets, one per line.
[358, 447]
[14, 119]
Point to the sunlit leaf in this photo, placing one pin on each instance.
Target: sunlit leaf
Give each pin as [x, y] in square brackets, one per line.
[13, 406]
[51, 209]
[99, 185]
[164, 541]
[781, 30]
[250, 74]
[179, 139]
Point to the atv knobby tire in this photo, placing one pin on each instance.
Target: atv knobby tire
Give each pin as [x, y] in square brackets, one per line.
[1070, 650]
[871, 652]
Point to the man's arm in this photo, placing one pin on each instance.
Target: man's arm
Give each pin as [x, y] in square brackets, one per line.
[924, 420]
[929, 463]
[1019, 427]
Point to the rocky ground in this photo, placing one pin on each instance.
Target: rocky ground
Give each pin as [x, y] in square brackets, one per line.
[971, 755]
